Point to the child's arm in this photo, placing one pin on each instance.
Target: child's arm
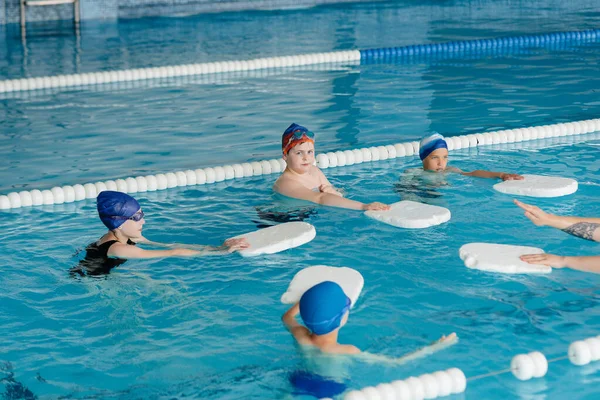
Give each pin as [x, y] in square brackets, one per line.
[296, 190]
[127, 251]
[440, 344]
[585, 264]
[143, 240]
[479, 173]
[229, 246]
[586, 228]
[299, 332]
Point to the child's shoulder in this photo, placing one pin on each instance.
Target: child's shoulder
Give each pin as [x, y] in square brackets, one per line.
[284, 178]
[350, 349]
[341, 349]
[316, 170]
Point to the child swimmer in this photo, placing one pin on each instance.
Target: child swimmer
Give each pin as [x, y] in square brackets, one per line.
[303, 180]
[124, 218]
[324, 310]
[433, 152]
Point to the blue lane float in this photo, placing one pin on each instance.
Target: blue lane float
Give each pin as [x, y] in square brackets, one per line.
[430, 51]
[475, 46]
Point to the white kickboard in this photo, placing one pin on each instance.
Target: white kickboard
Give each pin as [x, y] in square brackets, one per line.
[349, 279]
[501, 258]
[539, 186]
[278, 238]
[411, 214]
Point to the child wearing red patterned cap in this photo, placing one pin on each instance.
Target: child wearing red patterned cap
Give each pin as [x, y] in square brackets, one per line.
[303, 180]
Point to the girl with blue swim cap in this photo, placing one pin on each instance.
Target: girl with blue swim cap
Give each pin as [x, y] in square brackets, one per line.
[124, 218]
[433, 152]
[305, 181]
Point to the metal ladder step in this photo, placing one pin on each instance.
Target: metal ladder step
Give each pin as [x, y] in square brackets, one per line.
[36, 3]
[47, 2]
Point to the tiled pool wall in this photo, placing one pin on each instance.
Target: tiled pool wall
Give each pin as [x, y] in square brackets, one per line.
[113, 9]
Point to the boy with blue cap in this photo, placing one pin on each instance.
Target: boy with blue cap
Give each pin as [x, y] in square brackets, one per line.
[305, 181]
[433, 152]
[324, 310]
[124, 218]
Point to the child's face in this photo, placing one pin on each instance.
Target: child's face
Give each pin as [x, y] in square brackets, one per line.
[131, 228]
[301, 157]
[436, 161]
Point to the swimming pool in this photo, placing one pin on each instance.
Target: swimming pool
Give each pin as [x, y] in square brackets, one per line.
[210, 328]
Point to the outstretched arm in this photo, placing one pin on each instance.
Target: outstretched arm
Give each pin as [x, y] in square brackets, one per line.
[479, 173]
[228, 246]
[585, 264]
[440, 344]
[126, 251]
[586, 228]
[143, 240]
[295, 190]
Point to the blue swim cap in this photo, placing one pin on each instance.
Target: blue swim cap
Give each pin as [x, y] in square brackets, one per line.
[323, 306]
[431, 143]
[115, 204]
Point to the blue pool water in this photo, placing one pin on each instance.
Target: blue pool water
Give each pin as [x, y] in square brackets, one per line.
[210, 328]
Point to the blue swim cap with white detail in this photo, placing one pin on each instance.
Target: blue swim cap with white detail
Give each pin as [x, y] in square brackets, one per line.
[431, 143]
[114, 208]
[323, 306]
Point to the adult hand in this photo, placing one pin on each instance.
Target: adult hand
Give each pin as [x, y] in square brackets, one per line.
[236, 244]
[550, 260]
[376, 206]
[511, 177]
[535, 214]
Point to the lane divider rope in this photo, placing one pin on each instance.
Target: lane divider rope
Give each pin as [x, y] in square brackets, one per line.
[453, 381]
[149, 183]
[363, 56]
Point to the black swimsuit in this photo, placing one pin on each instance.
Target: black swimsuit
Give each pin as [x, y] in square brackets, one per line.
[97, 261]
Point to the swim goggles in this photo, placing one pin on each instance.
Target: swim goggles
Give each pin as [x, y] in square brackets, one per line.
[138, 216]
[296, 135]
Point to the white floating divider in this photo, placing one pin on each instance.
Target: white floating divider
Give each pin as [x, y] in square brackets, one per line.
[426, 386]
[98, 78]
[582, 352]
[453, 381]
[481, 46]
[150, 183]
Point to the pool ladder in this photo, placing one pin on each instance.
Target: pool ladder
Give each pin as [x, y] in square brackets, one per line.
[35, 3]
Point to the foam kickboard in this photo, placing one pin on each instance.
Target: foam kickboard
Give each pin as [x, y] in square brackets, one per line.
[538, 186]
[277, 238]
[501, 258]
[412, 215]
[350, 280]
